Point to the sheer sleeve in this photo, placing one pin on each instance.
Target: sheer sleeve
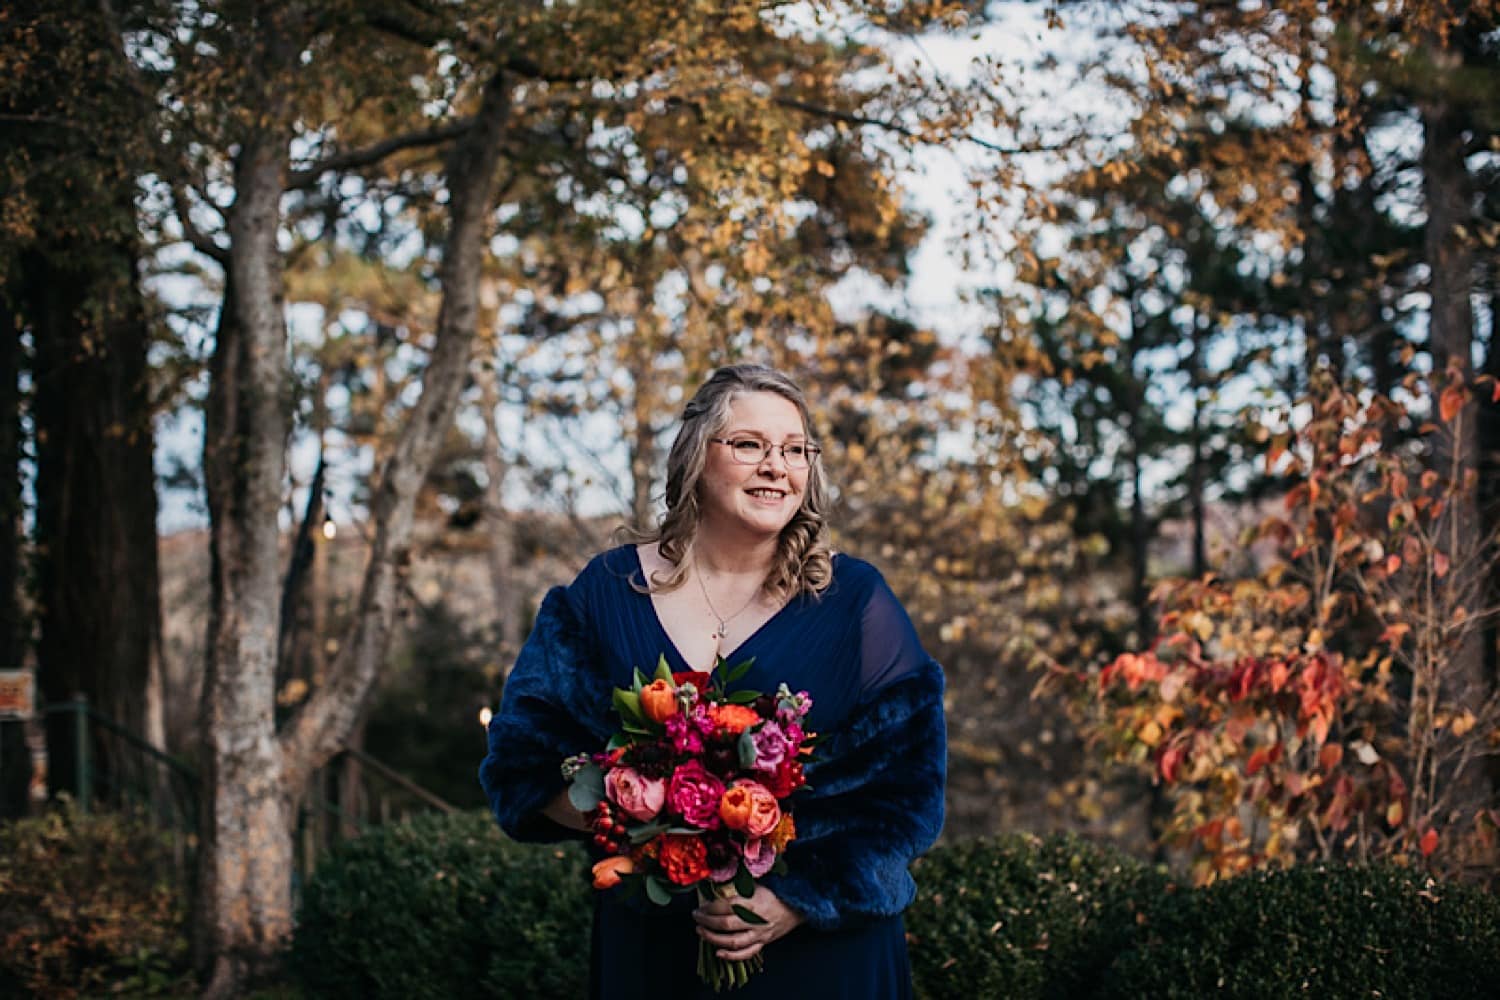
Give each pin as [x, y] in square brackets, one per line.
[875, 800]
[888, 648]
[553, 706]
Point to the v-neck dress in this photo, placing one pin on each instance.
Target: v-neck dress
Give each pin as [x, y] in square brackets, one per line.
[846, 647]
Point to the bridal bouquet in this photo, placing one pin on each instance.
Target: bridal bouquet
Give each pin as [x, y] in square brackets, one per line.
[691, 794]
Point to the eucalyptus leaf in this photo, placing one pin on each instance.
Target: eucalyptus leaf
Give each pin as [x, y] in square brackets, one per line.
[657, 892]
[641, 834]
[746, 914]
[746, 747]
[587, 789]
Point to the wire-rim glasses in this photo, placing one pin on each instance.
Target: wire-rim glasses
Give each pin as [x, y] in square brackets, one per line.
[753, 451]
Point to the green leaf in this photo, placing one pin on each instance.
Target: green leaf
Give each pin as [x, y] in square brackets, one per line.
[746, 914]
[744, 882]
[737, 671]
[663, 671]
[617, 741]
[628, 704]
[657, 892]
[638, 682]
[744, 697]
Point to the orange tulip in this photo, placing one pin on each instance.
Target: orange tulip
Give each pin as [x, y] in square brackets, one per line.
[659, 700]
[607, 872]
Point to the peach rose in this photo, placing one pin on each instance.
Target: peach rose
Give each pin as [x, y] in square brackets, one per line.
[607, 872]
[750, 807]
[659, 700]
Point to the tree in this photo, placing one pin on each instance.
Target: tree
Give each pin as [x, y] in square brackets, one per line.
[72, 281]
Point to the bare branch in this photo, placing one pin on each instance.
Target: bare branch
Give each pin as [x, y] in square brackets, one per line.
[200, 240]
[375, 152]
[850, 118]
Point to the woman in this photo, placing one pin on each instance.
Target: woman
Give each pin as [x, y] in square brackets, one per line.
[741, 568]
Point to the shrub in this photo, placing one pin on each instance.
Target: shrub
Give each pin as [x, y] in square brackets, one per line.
[444, 906]
[88, 900]
[1319, 931]
[1021, 916]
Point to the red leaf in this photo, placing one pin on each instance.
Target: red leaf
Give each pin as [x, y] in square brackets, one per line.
[1450, 402]
[1429, 843]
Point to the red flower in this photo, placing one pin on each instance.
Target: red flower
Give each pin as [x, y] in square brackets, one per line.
[786, 779]
[683, 859]
[697, 678]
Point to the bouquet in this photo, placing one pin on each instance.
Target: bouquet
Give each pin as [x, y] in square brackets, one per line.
[691, 794]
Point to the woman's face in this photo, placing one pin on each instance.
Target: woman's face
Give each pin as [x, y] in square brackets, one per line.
[760, 498]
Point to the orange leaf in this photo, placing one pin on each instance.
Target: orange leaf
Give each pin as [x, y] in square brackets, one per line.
[1392, 563]
[1439, 564]
[1394, 813]
[1429, 843]
[1451, 401]
[1330, 755]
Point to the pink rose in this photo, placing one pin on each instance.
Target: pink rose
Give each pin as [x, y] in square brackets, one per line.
[638, 795]
[694, 792]
[759, 857]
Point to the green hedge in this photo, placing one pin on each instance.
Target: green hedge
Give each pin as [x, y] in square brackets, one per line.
[1021, 917]
[447, 907]
[1318, 931]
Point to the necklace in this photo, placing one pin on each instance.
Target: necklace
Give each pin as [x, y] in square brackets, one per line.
[723, 629]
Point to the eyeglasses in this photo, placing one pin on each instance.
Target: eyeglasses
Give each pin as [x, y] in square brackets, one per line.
[753, 451]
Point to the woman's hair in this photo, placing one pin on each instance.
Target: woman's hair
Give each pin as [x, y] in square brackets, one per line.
[803, 562]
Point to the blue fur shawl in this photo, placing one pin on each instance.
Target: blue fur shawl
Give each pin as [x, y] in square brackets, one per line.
[875, 795]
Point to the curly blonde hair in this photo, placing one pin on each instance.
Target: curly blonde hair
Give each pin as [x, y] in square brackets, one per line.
[803, 562]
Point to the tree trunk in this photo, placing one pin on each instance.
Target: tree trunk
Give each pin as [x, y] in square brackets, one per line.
[1451, 266]
[245, 903]
[15, 761]
[498, 529]
[320, 728]
[96, 582]
[1197, 503]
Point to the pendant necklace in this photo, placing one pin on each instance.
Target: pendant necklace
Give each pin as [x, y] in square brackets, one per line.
[723, 629]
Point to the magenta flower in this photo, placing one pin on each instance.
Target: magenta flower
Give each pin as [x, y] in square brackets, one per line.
[695, 793]
[685, 737]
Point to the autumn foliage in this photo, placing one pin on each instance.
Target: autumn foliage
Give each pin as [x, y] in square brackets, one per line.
[1316, 709]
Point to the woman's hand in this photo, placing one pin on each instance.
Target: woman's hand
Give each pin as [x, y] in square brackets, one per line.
[560, 811]
[736, 940]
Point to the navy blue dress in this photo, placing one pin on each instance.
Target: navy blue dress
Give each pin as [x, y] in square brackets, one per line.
[874, 801]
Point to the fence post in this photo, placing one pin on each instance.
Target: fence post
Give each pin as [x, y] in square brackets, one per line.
[85, 778]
